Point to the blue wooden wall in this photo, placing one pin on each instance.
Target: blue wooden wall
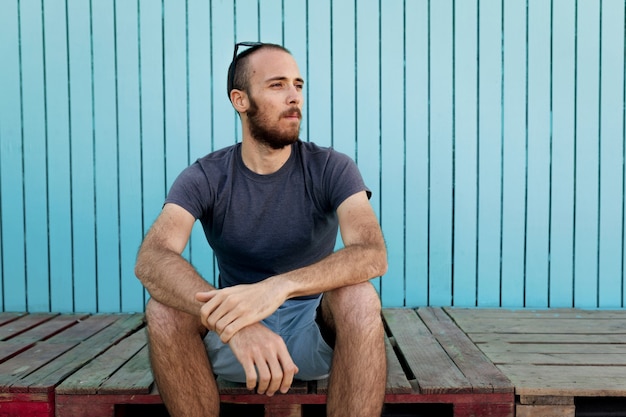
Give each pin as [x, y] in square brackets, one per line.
[492, 133]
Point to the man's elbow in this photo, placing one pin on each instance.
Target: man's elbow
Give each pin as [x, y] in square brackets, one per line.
[141, 265]
[379, 264]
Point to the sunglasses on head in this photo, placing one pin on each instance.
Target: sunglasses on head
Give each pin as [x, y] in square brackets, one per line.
[233, 64]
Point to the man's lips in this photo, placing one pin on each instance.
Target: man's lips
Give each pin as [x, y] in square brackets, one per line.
[292, 114]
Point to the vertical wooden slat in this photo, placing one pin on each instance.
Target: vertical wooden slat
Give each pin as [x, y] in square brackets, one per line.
[489, 151]
[513, 152]
[465, 152]
[295, 39]
[271, 21]
[440, 152]
[368, 104]
[35, 161]
[416, 148]
[58, 174]
[175, 85]
[152, 109]
[538, 205]
[82, 156]
[200, 109]
[562, 174]
[587, 155]
[247, 20]
[105, 157]
[392, 150]
[129, 150]
[343, 76]
[175, 91]
[11, 163]
[611, 154]
[319, 81]
[223, 41]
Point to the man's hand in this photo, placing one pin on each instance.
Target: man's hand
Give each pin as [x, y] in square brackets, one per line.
[229, 310]
[259, 349]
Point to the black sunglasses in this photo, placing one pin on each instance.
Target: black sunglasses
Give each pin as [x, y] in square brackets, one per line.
[233, 64]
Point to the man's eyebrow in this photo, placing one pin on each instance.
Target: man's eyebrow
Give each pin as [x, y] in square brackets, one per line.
[283, 78]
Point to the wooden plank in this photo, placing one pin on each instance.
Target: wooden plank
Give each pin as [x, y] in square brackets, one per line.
[50, 375]
[433, 369]
[579, 381]
[542, 358]
[397, 381]
[61, 277]
[463, 313]
[11, 348]
[24, 323]
[545, 400]
[545, 325]
[545, 411]
[477, 368]
[134, 377]
[51, 327]
[7, 317]
[496, 347]
[88, 379]
[545, 338]
[29, 361]
[87, 327]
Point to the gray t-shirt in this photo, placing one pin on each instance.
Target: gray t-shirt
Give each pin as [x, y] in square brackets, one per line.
[263, 225]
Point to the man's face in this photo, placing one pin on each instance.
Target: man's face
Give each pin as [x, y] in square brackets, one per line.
[275, 97]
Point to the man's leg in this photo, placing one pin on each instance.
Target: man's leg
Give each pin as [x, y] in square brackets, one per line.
[180, 363]
[359, 369]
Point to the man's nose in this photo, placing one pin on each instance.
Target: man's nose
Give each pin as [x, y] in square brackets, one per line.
[294, 96]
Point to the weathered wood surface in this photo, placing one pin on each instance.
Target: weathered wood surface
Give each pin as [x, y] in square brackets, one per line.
[552, 356]
[90, 364]
[38, 351]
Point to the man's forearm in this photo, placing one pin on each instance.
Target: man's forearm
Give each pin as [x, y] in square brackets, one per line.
[170, 279]
[348, 266]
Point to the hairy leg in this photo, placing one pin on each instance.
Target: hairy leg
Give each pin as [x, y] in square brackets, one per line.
[359, 369]
[180, 363]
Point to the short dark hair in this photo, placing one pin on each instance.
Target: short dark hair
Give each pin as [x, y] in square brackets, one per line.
[238, 70]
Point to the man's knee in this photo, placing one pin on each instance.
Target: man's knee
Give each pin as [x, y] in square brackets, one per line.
[166, 320]
[354, 306]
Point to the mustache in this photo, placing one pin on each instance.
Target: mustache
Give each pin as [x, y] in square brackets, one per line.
[291, 112]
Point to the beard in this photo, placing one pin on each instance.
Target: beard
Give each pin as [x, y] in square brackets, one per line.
[268, 133]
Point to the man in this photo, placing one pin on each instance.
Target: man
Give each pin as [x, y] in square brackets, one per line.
[289, 307]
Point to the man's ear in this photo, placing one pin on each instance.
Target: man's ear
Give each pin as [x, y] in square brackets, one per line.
[240, 101]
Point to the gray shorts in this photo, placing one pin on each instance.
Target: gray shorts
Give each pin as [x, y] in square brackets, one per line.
[295, 322]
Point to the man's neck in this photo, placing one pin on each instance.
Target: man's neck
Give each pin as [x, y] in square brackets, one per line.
[262, 159]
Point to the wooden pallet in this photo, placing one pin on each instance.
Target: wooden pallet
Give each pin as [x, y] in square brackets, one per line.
[38, 351]
[553, 357]
[91, 365]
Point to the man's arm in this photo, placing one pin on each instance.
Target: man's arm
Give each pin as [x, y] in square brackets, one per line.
[363, 257]
[167, 276]
[172, 281]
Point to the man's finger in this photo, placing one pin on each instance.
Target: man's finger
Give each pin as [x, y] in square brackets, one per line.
[251, 376]
[276, 377]
[289, 370]
[205, 296]
[265, 377]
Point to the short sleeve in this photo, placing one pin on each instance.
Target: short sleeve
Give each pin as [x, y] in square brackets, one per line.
[191, 191]
[342, 179]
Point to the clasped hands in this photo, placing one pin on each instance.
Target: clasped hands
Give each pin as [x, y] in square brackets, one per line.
[235, 313]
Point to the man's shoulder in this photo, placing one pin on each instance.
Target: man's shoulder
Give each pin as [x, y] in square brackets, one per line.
[324, 155]
[217, 156]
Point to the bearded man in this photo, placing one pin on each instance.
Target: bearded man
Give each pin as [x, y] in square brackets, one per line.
[288, 305]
